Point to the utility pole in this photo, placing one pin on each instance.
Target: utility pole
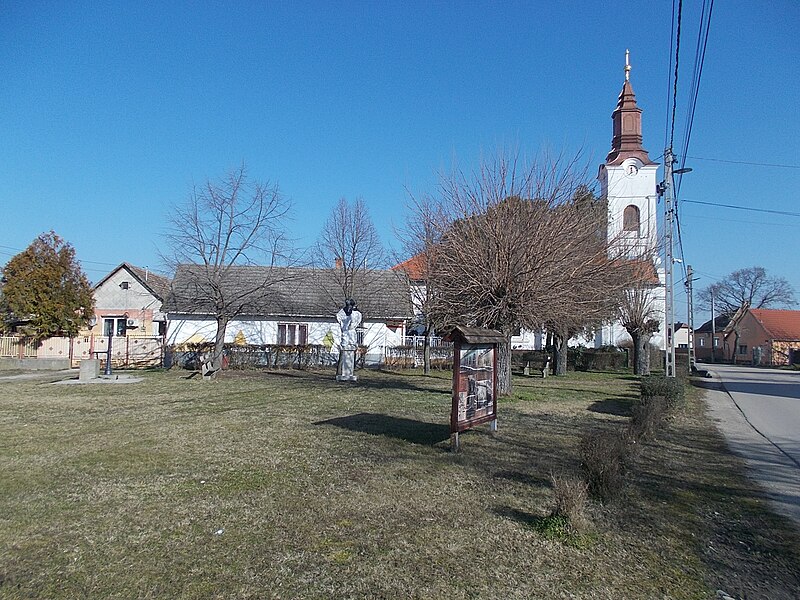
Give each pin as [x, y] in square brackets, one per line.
[690, 313]
[669, 217]
[713, 330]
[667, 188]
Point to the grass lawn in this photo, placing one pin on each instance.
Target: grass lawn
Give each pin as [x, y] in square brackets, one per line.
[289, 485]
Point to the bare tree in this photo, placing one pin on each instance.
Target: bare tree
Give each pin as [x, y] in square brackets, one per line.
[751, 287]
[349, 244]
[595, 278]
[222, 225]
[420, 240]
[641, 319]
[517, 249]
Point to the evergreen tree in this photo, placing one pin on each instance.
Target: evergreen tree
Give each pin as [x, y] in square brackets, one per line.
[45, 293]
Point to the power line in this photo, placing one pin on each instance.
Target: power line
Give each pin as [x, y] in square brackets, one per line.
[745, 162]
[89, 262]
[761, 210]
[699, 61]
[668, 103]
[715, 219]
[675, 81]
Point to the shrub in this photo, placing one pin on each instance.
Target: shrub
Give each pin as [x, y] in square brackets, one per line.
[571, 494]
[646, 418]
[670, 388]
[603, 456]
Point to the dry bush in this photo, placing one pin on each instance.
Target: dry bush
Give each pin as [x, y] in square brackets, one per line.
[603, 456]
[646, 418]
[571, 495]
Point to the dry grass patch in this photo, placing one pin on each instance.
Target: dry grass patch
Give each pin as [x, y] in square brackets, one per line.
[288, 485]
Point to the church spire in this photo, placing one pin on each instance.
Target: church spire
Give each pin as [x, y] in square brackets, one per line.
[627, 118]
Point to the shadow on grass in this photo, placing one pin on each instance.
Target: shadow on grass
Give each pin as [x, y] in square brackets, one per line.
[612, 406]
[525, 478]
[414, 432]
[520, 516]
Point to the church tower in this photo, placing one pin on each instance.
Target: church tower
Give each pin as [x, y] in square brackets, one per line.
[628, 184]
[628, 181]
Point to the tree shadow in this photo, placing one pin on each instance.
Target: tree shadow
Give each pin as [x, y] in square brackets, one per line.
[526, 518]
[524, 478]
[612, 406]
[409, 430]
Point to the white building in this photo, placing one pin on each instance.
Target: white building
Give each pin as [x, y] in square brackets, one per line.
[288, 307]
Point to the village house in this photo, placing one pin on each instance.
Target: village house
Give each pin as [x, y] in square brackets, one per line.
[761, 336]
[708, 339]
[129, 299]
[289, 306]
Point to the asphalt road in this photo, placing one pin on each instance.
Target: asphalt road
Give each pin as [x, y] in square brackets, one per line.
[758, 410]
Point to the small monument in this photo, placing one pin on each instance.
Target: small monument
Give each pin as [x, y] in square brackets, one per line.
[349, 318]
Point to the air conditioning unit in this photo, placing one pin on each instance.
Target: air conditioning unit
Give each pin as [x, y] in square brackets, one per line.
[133, 323]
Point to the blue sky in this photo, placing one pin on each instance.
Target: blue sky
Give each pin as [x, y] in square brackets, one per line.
[110, 111]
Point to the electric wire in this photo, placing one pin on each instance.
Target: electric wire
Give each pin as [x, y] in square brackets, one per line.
[750, 208]
[700, 57]
[745, 162]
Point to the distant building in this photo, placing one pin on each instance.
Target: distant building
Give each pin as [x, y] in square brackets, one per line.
[708, 339]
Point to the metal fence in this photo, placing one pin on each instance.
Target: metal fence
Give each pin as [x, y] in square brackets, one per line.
[15, 347]
[126, 351]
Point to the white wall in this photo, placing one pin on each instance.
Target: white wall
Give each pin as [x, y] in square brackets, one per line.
[377, 336]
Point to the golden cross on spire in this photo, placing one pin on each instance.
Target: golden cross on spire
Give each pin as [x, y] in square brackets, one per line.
[627, 65]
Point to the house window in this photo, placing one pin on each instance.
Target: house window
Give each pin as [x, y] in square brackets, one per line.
[360, 336]
[716, 342]
[292, 334]
[742, 348]
[630, 218]
[701, 342]
[114, 326]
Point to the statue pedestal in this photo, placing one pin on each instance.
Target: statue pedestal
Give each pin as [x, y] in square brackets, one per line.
[347, 364]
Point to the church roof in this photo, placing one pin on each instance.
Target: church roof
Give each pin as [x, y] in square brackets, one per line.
[627, 117]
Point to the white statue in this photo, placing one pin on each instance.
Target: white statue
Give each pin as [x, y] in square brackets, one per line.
[349, 318]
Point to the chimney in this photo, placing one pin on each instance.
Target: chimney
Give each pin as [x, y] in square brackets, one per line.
[338, 263]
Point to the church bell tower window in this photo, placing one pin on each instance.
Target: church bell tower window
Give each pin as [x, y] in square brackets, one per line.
[630, 219]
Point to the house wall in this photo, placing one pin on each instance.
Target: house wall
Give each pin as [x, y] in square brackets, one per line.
[111, 300]
[378, 336]
[702, 346]
[751, 335]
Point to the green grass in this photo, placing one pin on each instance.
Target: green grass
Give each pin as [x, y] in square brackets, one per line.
[288, 485]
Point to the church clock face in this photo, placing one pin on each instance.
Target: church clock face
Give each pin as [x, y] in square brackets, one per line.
[631, 170]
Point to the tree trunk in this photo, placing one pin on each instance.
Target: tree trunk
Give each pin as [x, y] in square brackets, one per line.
[560, 351]
[219, 344]
[504, 367]
[426, 351]
[641, 354]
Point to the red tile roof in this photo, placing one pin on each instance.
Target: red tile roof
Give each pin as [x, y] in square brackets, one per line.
[782, 325]
[414, 267]
[643, 272]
